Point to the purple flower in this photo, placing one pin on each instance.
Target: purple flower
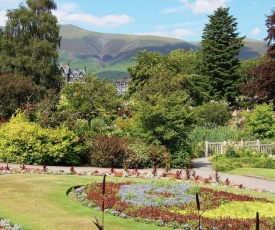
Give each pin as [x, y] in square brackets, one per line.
[123, 215]
[115, 213]
[160, 223]
[97, 208]
[79, 190]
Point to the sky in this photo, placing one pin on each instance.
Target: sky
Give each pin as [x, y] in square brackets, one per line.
[183, 19]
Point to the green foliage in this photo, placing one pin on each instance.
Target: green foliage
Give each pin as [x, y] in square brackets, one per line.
[147, 63]
[231, 152]
[247, 66]
[45, 111]
[200, 134]
[26, 142]
[220, 47]
[94, 99]
[166, 120]
[224, 163]
[176, 67]
[141, 149]
[212, 113]
[181, 159]
[30, 41]
[261, 122]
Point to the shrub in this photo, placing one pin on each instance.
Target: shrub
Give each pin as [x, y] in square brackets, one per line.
[261, 122]
[112, 152]
[141, 150]
[26, 142]
[231, 152]
[159, 156]
[180, 159]
[212, 113]
[226, 164]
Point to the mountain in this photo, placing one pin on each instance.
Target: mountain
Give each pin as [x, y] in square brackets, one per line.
[109, 55]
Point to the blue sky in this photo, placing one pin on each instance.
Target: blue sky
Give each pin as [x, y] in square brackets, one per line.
[184, 19]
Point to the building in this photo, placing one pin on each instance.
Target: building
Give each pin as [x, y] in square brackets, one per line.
[72, 75]
[122, 85]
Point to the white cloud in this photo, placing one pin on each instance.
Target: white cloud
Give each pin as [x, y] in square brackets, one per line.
[255, 31]
[204, 6]
[64, 17]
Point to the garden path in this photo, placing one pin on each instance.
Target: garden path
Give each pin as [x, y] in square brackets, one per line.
[201, 166]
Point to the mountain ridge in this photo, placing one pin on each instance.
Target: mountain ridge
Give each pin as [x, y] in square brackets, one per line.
[111, 53]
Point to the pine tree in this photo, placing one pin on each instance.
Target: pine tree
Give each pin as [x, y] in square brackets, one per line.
[220, 47]
[30, 42]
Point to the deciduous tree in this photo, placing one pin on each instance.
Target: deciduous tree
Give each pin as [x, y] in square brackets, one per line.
[261, 85]
[30, 42]
[270, 24]
[92, 99]
[16, 93]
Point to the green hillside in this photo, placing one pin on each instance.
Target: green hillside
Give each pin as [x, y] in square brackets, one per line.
[109, 55]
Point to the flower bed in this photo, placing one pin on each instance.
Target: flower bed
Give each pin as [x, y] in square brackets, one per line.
[178, 175]
[5, 225]
[174, 205]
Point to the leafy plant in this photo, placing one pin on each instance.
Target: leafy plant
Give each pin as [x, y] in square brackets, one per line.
[261, 121]
[26, 142]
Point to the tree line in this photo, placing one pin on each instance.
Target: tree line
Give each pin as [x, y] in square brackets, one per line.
[169, 95]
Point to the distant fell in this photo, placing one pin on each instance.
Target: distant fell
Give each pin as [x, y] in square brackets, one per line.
[101, 52]
[109, 55]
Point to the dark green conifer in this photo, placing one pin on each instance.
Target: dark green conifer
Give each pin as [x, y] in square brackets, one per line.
[220, 46]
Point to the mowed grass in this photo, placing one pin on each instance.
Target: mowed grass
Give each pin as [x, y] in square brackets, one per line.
[40, 202]
[258, 172]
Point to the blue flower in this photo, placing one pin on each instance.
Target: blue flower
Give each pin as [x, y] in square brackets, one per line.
[138, 194]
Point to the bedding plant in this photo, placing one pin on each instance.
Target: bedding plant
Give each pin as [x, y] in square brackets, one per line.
[174, 205]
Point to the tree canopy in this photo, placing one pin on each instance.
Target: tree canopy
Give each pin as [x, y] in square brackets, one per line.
[220, 46]
[16, 92]
[92, 99]
[270, 24]
[30, 42]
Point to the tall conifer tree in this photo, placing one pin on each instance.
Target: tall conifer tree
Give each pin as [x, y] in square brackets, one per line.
[220, 47]
[30, 42]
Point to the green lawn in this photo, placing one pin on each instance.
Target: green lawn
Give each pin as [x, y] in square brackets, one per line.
[40, 202]
[260, 172]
